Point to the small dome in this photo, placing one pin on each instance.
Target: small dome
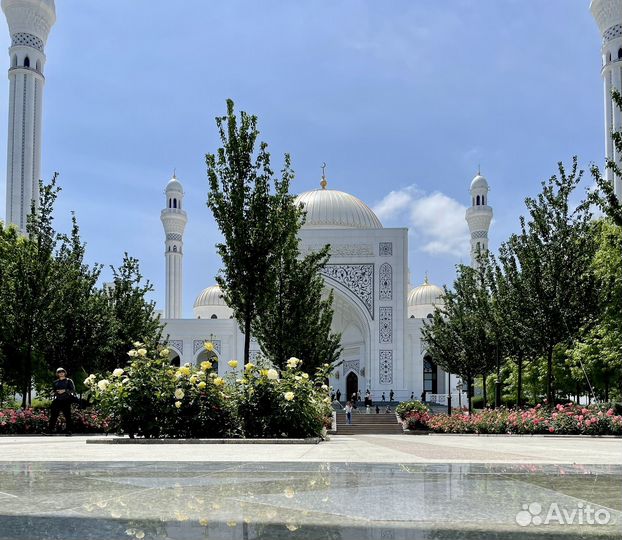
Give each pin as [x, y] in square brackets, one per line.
[422, 299]
[332, 209]
[211, 305]
[174, 185]
[479, 183]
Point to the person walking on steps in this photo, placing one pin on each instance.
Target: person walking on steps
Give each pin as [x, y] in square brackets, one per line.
[348, 409]
[383, 398]
[64, 396]
[338, 395]
[391, 394]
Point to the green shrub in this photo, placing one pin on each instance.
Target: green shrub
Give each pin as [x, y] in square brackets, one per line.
[407, 407]
[152, 399]
[478, 402]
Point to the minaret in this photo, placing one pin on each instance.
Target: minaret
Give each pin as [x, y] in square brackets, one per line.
[479, 216]
[608, 15]
[174, 220]
[29, 23]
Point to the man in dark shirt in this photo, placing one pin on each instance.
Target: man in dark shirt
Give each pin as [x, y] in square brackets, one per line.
[64, 392]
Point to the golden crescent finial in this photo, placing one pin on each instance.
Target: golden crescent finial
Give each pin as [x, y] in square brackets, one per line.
[323, 182]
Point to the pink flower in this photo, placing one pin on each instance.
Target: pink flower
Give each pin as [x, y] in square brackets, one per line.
[552, 429]
[610, 412]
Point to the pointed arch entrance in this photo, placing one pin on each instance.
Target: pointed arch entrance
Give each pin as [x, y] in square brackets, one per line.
[352, 384]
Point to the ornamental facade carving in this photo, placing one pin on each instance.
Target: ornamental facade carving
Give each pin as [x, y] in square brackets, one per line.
[386, 367]
[350, 365]
[386, 282]
[343, 250]
[178, 345]
[385, 326]
[357, 278]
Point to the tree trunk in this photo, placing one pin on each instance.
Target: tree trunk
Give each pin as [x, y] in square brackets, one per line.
[549, 376]
[607, 388]
[484, 390]
[519, 385]
[470, 393]
[498, 390]
[247, 339]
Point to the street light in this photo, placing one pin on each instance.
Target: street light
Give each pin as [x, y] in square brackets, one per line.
[459, 387]
[448, 394]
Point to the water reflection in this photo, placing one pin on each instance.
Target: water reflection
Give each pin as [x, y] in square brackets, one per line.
[296, 500]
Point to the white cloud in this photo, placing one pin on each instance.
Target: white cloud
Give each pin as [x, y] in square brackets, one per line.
[436, 220]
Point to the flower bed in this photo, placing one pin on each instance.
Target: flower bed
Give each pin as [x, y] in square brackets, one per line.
[152, 399]
[414, 415]
[32, 421]
[569, 419]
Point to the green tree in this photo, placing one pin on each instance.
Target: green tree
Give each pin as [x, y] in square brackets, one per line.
[459, 335]
[554, 251]
[134, 317]
[246, 199]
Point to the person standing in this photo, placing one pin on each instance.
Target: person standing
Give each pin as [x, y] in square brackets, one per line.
[391, 394]
[338, 395]
[64, 395]
[412, 396]
[383, 398]
[358, 395]
[348, 409]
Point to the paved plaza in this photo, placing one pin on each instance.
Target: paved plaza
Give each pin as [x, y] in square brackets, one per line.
[352, 487]
[340, 449]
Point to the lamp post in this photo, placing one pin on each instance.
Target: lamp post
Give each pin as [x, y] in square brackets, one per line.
[448, 394]
[459, 387]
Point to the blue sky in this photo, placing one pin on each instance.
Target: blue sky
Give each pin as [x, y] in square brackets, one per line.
[401, 99]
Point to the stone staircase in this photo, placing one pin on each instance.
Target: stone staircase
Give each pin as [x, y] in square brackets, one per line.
[362, 423]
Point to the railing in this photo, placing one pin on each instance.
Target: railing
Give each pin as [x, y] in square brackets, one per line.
[441, 399]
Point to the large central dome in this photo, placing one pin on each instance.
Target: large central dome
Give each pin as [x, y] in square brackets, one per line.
[332, 209]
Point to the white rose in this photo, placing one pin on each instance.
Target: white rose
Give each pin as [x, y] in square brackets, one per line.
[142, 352]
[288, 396]
[179, 394]
[164, 353]
[273, 375]
[132, 353]
[117, 372]
[293, 362]
[103, 384]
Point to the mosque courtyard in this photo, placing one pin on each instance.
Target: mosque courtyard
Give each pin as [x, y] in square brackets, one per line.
[361, 486]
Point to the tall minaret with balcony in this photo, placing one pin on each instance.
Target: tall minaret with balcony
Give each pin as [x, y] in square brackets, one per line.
[174, 220]
[29, 23]
[478, 217]
[608, 15]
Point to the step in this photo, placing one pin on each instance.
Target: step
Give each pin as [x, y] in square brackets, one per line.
[367, 430]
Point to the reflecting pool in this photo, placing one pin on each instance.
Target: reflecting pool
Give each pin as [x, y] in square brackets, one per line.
[117, 500]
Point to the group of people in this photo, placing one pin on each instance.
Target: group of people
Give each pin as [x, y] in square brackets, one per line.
[356, 397]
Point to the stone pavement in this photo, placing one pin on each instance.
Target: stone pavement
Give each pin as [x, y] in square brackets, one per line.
[340, 449]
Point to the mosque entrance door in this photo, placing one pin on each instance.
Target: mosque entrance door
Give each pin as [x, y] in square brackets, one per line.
[352, 384]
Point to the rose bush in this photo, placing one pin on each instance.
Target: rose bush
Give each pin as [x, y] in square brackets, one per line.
[568, 419]
[413, 414]
[23, 421]
[289, 404]
[150, 398]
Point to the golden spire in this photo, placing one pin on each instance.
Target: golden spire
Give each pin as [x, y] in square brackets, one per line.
[323, 183]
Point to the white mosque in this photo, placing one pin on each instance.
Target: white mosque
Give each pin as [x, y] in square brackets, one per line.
[376, 310]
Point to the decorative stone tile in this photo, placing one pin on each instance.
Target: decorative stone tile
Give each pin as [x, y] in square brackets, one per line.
[386, 282]
[385, 328]
[386, 367]
[385, 249]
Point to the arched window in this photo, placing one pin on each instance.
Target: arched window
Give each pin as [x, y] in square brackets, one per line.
[174, 203]
[484, 200]
[608, 57]
[619, 54]
[473, 201]
[169, 248]
[430, 375]
[26, 62]
[175, 248]
[412, 316]
[477, 199]
[179, 204]
[430, 316]
[170, 203]
[214, 316]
